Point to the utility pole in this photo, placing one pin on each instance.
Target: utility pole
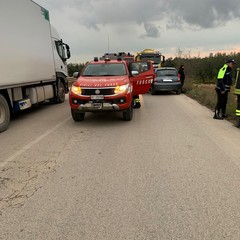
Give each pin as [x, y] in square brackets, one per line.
[108, 43]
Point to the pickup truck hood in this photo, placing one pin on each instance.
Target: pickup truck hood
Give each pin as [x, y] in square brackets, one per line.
[104, 81]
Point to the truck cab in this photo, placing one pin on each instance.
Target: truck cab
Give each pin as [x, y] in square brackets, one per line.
[151, 55]
[109, 85]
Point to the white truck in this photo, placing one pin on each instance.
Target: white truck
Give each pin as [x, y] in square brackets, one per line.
[33, 66]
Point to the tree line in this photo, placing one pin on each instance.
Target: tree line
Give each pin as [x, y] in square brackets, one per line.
[202, 70]
[75, 67]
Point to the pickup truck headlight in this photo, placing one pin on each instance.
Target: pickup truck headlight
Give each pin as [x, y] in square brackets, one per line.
[76, 90]
[121, 89]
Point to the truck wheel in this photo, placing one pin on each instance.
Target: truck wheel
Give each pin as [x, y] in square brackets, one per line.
[4, 114]
[60, 93]
[127, 114]
[77, 116]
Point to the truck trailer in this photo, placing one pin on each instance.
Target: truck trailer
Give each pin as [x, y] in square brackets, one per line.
[33, 59]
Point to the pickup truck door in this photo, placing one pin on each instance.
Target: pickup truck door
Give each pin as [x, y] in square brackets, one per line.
[145, 74]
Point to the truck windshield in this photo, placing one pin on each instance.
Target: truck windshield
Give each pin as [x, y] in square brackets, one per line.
[105, 69]
[156, 58]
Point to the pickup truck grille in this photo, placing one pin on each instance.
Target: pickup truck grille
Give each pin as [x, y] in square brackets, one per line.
[103, 91]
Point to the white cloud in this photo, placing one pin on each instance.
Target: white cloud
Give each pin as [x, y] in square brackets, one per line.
[92, 27]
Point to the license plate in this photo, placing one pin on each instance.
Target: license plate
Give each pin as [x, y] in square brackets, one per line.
[167, 80]
[97, 97]
[24, 104]
[97, 105]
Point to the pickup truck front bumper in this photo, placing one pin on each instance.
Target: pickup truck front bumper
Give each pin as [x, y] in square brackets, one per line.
[92, 107]
[111, 104]
[98, 103]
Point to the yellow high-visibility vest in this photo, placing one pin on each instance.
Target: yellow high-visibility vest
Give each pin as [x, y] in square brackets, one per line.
[222, 71]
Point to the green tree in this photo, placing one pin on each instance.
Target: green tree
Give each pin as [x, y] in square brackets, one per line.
[75, 67]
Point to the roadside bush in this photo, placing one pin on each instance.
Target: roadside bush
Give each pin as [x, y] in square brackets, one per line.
[203, 70]
[205, 94]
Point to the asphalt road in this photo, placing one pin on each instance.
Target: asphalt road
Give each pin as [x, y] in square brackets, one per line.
[173, 172]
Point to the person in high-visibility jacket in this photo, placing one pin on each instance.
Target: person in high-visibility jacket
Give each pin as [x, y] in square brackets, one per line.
[224, 82]
[237, 92]
[136, 101]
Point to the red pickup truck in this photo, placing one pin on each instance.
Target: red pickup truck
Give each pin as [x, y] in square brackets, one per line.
[109, 85]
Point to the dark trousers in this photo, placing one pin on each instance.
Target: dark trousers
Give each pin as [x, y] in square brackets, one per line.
[238, 102]
[221, 102]
[182, 82]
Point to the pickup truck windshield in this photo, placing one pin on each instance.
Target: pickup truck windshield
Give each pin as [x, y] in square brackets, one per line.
[105, 69]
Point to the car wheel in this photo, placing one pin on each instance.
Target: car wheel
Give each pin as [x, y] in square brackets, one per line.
[178, 91]
[127, 114]
[77, 116]
[152, 91]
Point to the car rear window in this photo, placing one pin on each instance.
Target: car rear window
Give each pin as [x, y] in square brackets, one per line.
[166, 72]
[107, 69]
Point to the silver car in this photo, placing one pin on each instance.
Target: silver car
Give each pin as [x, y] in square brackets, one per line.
[166, 80]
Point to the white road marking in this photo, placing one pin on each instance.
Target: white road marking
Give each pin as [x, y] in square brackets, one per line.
[29, 145]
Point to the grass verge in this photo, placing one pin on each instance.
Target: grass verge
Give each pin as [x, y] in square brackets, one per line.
[205, 94]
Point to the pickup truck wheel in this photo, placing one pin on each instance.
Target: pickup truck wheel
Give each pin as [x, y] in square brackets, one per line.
[178, 91]
[127, 114]
[4, 114]
[77, 116]
[60, 93]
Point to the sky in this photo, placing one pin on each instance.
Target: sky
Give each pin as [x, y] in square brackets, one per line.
[176, 28]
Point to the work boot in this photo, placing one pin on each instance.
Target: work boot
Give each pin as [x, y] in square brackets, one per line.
[223, 115]
[217, 116]
[136, 103]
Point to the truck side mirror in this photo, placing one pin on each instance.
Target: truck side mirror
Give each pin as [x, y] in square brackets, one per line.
[68, 54]
[134, 73]
[68, 51]
[76, 75]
